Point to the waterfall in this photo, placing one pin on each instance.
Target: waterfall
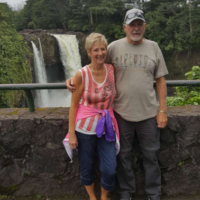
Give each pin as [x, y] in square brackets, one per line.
[41, 54]
[69, 53]
[71, 60]
[42, 98]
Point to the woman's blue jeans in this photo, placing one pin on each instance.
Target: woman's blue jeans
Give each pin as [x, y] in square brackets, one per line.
[88, 145]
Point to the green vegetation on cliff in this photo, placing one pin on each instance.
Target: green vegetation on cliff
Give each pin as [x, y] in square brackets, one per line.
[13, 64]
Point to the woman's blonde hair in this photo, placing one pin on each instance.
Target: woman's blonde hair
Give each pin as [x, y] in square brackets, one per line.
[94, 37]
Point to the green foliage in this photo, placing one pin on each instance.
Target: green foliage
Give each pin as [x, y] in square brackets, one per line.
[187, 95]
[9, 190]
[13, 65]
[38, 196]
[73, 15]
[181, 163]
[31, 25]
[111, 31]
[5, 197]
[174, 25]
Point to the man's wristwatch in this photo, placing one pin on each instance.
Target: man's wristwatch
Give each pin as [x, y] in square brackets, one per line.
[162, 111]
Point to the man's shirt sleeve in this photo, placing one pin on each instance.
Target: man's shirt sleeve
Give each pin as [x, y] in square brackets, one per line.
[161, 68]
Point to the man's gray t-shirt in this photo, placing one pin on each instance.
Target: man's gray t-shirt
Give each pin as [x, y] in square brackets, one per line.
[136, 67]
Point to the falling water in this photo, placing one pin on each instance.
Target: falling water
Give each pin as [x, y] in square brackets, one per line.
[71, 60]
[41, 55]
[42, 98]
[69, 53]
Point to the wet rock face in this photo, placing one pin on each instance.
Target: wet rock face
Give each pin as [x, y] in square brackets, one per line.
[33, 160]
[51, 50]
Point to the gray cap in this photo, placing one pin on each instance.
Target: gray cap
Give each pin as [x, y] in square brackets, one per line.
[133, 14]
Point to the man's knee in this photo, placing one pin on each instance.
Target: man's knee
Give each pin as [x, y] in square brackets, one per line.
[151, 155]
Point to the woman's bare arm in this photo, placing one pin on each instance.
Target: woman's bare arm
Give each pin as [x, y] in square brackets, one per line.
[76, 96]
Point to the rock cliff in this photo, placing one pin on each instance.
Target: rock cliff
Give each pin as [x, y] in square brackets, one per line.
[51, 50]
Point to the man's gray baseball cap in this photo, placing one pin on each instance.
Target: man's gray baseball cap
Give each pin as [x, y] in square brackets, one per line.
[133, 14]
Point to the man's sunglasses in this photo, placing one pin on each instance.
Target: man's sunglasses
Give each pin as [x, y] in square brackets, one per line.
[133, 15]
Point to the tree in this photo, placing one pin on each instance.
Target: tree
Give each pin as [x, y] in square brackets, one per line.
[13, 65]
[61, 8]
[77, 15]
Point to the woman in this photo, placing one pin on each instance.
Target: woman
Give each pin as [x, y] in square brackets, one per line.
[91, 107]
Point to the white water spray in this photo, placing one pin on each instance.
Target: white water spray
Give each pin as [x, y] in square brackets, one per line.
[69, 53]
[71, 60]
[42, 99]
[41, 54]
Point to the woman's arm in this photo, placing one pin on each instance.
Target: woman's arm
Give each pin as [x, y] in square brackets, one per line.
[76, 96]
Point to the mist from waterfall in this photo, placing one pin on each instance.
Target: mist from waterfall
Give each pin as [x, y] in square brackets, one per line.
[71, 60]
[42, 99]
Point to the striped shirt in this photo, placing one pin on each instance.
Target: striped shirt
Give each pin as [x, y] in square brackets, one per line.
[95, 95]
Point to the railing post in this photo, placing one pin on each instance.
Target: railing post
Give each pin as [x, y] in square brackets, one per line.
[30, 100]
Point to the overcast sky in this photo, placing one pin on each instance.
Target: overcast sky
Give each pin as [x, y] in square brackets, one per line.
[14, 3]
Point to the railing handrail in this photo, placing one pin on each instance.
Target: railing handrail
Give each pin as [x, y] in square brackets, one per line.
[27, 87]
[172, 83]
[32, 86]
[36, 86]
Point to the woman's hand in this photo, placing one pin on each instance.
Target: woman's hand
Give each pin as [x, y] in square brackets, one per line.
[73, 142]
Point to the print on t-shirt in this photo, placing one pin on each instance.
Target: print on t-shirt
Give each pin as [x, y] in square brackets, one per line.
[137, 61]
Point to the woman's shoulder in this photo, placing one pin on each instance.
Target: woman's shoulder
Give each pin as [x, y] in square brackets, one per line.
[78, 76]
[83, 69]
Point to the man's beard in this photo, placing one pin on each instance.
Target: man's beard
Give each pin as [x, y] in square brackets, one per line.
[136, 38]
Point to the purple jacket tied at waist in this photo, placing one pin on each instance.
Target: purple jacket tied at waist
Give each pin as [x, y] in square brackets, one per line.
[105, 122]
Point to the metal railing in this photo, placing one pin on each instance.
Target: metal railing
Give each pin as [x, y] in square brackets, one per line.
[36, 86]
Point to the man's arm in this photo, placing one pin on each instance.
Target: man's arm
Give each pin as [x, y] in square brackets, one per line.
[70, 84]
[161, 89]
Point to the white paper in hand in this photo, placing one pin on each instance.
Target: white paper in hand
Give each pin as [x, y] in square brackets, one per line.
[67, 147]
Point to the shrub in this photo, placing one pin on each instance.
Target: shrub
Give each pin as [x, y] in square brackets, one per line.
[187, 95]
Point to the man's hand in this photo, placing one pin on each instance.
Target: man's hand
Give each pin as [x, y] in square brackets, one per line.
[70, 85]
[161, 119]
[73, 142]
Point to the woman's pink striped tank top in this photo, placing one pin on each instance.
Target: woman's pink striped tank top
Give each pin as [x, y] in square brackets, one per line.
[96, 95]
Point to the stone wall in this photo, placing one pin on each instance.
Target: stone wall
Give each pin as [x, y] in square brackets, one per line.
[33, 160]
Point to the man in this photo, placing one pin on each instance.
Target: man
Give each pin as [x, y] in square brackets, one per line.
[138, 62]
